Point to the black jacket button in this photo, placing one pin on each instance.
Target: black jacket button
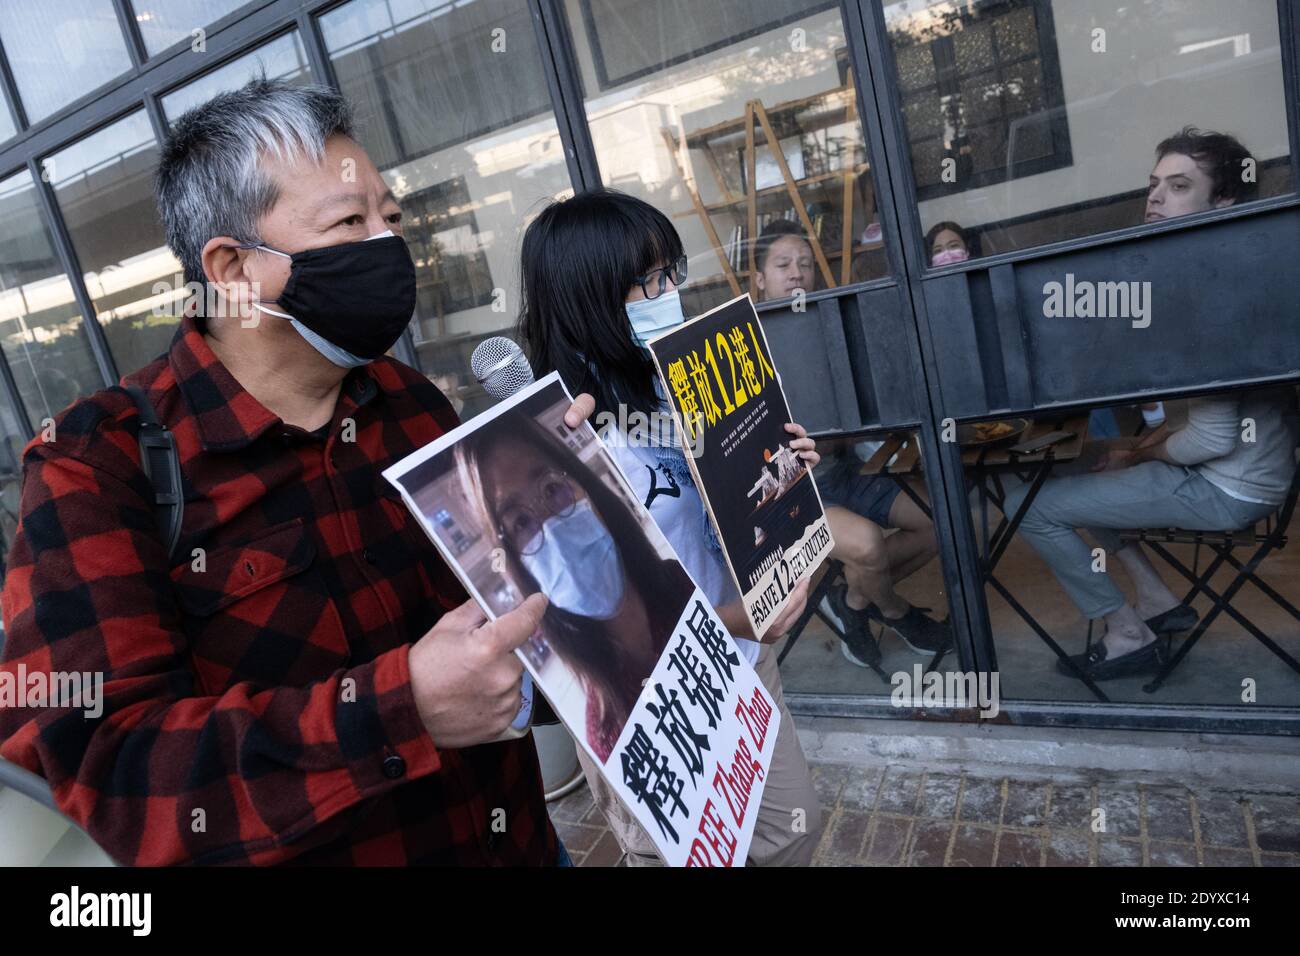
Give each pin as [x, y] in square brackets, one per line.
[394, 767]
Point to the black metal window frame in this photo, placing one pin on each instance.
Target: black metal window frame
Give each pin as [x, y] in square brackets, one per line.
[258, 21]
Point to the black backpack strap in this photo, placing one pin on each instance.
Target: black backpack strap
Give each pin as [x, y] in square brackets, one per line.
[162, 466]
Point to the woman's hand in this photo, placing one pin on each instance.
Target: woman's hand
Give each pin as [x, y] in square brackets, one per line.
[804, 446]
[583, 405]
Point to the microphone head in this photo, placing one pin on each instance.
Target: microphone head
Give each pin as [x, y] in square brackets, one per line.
[501, 367]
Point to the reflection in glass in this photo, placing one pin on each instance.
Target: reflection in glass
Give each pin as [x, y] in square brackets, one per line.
[164, 22]
[453, 108]
[60, 51]
[1032, 121]
[677, 93]
[282, 59]
[40, 325]
[104, 188]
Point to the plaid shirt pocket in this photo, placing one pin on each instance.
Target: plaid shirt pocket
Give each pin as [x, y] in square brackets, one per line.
[260, 611]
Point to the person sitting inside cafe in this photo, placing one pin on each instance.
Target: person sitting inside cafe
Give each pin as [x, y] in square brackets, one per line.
[1228, 467]
[859, 508]
[783, 257]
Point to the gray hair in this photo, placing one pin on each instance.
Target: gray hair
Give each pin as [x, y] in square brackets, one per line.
[209, 181]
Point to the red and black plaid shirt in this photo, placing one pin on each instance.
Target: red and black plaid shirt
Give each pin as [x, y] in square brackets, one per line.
[257, 702]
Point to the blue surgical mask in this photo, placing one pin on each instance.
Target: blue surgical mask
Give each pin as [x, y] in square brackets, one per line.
[649, 317]
[578, 565]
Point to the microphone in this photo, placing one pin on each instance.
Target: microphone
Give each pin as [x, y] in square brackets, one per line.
[501, 367]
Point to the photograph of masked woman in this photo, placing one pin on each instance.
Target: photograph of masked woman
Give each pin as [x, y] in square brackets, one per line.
[614, 601]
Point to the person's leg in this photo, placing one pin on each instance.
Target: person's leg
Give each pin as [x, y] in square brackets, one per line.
[860, 546]
[789, 823]
[638, 848]
[913, 545]
[1152, 493]
[1153, 595]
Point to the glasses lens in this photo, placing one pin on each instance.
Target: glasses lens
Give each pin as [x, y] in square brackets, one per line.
[524, 532]
[558, 496]
[679, 273]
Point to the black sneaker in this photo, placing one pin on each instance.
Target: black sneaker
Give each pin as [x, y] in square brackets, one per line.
[857, 644]
[1147, 659]
[922, 633]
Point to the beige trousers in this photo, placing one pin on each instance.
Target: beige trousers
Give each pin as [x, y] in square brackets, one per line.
[789, 822]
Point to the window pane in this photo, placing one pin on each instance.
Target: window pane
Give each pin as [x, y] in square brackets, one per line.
[13, 436]
[465, 136]
[668, 90]
[1032, 121]
[1112, 559]
[282, 59]
[60, 51]
[104, 185]
[40, 325]
[162, 24]
[884, 612]
[7, 127]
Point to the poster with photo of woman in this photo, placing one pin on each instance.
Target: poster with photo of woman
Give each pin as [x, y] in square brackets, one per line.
[630, 655]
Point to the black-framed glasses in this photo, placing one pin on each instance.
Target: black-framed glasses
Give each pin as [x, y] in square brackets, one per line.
[654, 282]
[521, 524]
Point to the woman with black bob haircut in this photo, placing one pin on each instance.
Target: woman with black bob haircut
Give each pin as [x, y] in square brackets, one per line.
[601, 273]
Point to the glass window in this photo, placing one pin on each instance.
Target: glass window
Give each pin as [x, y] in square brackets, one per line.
[880, 609]
[7, 127]
[104, 186]
[41, 327]
[13, 436]
[1034, 121]
[162, 24]
[739, 119]
[1157, 544]
[60, 51]
[282, 59]
[453, 108]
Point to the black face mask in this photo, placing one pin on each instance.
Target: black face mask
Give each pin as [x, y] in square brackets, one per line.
[357, 296]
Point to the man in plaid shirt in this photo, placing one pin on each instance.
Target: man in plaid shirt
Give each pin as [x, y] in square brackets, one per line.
[302, 680]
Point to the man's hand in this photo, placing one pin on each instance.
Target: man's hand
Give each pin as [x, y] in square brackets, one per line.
[1114, 459]
[465, 675]
[785, 620]
[583, 405]
[802, 445]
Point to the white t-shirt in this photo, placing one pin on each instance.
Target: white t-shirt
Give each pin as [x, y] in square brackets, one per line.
[678, 511]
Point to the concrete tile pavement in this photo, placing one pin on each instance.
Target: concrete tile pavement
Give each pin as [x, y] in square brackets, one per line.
[901, 815]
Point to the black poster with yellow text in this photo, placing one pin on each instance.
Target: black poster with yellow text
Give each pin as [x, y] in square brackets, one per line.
[720, 379]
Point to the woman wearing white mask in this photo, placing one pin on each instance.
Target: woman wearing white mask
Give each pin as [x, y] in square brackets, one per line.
[600, 277]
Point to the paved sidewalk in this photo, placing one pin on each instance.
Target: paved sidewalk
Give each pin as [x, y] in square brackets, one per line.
[892, 815]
